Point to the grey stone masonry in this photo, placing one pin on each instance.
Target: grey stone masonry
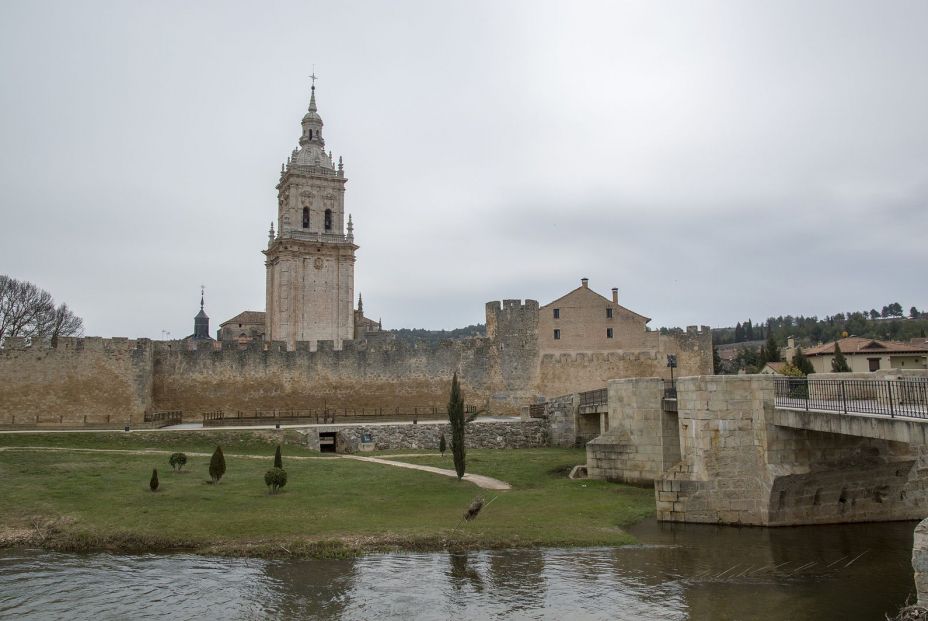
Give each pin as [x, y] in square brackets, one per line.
[561, 415]
[920, 562]
[633, 451]
[426, 435]
[743, 461]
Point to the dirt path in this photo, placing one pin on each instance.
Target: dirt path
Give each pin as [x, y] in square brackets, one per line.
[477, 479]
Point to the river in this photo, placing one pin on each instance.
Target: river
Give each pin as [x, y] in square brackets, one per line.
[679, 572]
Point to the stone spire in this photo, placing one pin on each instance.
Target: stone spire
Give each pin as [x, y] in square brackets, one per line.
[270, 234]
[350, 235]
[312, 122]
[360, 305]
[201, 321]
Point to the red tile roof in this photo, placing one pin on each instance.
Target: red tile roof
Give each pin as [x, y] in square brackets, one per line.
[858, 345]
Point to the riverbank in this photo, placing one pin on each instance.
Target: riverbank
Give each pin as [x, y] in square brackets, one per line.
[83, 500]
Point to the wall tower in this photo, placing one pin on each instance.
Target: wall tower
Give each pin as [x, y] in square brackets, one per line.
[310, 261]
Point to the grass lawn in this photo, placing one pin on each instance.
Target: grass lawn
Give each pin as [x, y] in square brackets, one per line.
[330, 507]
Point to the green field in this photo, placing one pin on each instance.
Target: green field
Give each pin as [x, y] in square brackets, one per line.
[83, 500]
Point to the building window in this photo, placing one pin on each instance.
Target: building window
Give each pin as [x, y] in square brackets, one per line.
[305, 217]
[557, 313]
[874, 364]
[310, 134]
[328, 219]
[557, 335]
[608, 313]
[608, 333]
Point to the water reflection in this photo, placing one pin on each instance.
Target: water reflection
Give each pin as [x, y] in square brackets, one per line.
[323, 586]
[681, 572]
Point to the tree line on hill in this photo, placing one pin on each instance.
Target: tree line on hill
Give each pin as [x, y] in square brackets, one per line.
[889, 324]
[411, 335]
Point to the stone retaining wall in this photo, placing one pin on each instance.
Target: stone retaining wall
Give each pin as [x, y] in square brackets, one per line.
[426, 435]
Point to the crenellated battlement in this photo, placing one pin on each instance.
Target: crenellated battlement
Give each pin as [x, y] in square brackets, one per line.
[73, 343]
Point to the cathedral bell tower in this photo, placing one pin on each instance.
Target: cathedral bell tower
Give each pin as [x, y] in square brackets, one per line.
[310, 261]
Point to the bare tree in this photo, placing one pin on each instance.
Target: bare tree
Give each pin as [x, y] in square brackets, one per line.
[29, 312]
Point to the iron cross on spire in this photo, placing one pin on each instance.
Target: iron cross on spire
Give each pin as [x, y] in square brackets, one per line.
[313, 77]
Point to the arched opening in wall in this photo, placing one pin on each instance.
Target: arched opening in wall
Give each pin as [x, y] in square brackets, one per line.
[328, 219]
[305, 217]
[310, 134]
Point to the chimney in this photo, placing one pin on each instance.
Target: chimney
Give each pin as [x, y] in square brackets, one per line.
[615, 295]
[790, 343]
[585, 282]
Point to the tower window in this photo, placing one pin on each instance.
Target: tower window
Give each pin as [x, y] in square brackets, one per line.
[328, 219]
[608, 333]
[305, 217]
[310, 134]
[557, 335]
[608, 313]
[557, 313]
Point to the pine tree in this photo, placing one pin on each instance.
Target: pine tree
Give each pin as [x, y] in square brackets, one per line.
[802, 362]
[749, 331]
[278, 459]
[456, 418]
[217, 465]
[153, 484]
[442, 445]
[839, 362]
[739, 332]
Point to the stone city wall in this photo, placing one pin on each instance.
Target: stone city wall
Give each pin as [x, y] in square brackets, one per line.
[110, 380]
[81, 382]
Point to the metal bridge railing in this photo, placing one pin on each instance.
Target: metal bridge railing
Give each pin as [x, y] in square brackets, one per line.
[594, 397]
[906, 398]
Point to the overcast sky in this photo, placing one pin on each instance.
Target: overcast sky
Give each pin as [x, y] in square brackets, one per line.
[713, 160]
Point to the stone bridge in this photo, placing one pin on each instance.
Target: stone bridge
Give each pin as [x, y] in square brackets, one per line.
[763, 451]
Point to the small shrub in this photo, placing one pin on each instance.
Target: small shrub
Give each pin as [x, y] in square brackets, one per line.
[177, 461]
[442, 445]
[275, 478]
[278, 459]
[217, 465]
[153, 484]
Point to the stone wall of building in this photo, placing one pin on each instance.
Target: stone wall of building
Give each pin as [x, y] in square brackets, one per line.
[563, 373]
[479, 434]
[90, 381]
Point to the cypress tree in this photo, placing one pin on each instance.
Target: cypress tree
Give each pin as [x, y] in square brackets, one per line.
[802, 362]
[217, 465]
[773, 351]
[442, 445]
[153, 484]
[456, 418]
[739, 333]
[278, 459]
[839, 362]
[716, 361]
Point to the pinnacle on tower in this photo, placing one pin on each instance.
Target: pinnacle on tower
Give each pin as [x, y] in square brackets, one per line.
[360, 305]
